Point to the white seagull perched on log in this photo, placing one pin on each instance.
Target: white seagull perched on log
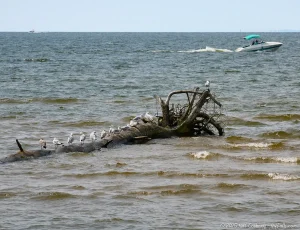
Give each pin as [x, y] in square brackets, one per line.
[103, 134]
[148, 117]
[56, 142]
[82, 138]
[70, 139]
[111, 130]
[133, 123]
[93, 136]
[207, 84]
[43, 143]
[126, 127]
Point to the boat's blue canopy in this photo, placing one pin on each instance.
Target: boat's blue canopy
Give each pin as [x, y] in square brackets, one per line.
[251, 36]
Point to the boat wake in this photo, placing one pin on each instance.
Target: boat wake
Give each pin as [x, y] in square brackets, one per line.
[207, 49]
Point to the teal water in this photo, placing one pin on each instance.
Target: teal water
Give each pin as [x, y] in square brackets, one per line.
[56, 83]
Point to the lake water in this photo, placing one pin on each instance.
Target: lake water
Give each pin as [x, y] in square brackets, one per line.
[56, 83]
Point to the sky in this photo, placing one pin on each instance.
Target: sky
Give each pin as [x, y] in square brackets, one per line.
[149, 15]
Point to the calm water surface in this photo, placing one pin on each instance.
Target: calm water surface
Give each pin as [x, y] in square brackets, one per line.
[56, 83]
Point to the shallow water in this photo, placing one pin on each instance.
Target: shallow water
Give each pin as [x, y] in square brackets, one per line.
[56, 83]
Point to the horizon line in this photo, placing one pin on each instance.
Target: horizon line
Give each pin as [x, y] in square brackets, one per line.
[270, 31]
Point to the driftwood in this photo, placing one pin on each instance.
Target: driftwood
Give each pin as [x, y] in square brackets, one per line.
[190, 119]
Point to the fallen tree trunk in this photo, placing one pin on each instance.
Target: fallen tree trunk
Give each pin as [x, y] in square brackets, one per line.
[191, 119]
[141, 133]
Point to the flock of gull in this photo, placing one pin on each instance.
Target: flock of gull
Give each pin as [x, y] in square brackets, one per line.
[93, 136]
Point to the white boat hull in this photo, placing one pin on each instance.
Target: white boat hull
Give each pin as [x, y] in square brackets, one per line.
[265, 46]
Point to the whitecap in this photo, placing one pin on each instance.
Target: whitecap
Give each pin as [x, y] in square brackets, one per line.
[278, 176]
[253, 145]
[201, 154]
[287, 159]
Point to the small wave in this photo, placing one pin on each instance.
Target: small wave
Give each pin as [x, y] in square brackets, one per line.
[80, 154]
[178, 192]
[237, 139]
[36, 59]
[254, 176]
[229, 186]
[140, 193]
[200, 155]
[232, 71]
[171, 174]
[252, 145]
[288, 159]
[8, 117]
[282, 117]
[5, 195]
[80, 123]
[277, 145]
[242, 122]
[167, 190]
[58, 100]
[286, 177]
[258, 145]
[164, 192]
[118, 165]
[205, 155]
[42, 100]
[124, 173]
[115, 220]
[78, 187]
[13, 101]
[120, 102]
[273, 159]
[98, 174]
[173, 187]
[168, 174]
[53, 196]
[279, 135]
[235, 209]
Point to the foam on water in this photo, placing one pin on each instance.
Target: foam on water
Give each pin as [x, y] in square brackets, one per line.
[207, 49]
[273, 159]
[201, 154]
[286, 177]
[253, 145]
[287, 159]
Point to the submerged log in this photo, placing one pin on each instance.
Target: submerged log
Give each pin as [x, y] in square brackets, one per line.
[190, 119]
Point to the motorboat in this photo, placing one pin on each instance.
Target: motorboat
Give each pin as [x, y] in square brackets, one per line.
[258, 45]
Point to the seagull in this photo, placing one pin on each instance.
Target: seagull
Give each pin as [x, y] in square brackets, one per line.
[133, 123]
[70, 139]
[43, 143]
[124, 128]
[148, 117]
[207, 84]
[56, 142]
[82, 137]
[111, 130]
[118, 130]
[103, 134]
[93, 136]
